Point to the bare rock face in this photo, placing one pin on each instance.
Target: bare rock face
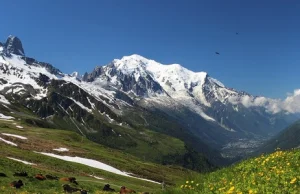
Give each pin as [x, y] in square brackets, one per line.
[13, 45]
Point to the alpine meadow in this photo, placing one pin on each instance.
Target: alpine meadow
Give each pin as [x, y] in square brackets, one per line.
[223, 121]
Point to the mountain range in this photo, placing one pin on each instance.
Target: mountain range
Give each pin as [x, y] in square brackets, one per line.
[134, 100]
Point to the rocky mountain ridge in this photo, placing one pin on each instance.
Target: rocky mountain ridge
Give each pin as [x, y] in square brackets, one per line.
[135, 93]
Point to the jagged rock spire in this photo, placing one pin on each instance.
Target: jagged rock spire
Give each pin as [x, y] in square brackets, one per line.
[13, 45]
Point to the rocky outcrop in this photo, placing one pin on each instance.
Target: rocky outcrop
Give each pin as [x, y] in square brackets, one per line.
[13, 45]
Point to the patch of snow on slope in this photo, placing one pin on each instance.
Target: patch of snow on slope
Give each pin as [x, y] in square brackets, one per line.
[63, 109]
[3, 100]
[110, 119]
[4, 117]
[92, 104]
[71, 108]
[61, 149]
[182, 101]
[41, 94]
[20, 127]
[93, 88]
[18, 62]
[5, 106]
[93, 163]
[81, 105]
[12, 135]
[17, 89]
[88, 162]
[20, 52]
[236, 108]
[96, 177]
[206, 117]
[20, 72]
[24, 162]
[217, 82]
[8, 142]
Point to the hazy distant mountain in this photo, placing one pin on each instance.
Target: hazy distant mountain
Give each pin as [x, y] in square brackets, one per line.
[286, 139]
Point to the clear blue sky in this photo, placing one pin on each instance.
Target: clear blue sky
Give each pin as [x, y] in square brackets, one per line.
[264, 59]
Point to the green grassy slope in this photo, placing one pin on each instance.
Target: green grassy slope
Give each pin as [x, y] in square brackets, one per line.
[146, 144]
[276, 173]
[162, 123]
[45, 140]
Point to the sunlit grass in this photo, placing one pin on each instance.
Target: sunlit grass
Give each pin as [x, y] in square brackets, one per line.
[44, 140]
[278, 172]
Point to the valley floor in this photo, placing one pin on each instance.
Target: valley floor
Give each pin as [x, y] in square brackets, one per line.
[240, 148]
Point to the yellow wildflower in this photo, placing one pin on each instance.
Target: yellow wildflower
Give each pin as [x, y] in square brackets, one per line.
[220, 189]
[293, 180]
[231, 188]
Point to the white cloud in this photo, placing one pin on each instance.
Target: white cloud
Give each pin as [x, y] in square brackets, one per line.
[233, 100]
[291, 104]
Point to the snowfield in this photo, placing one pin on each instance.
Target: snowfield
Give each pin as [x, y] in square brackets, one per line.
[16, 66]
[24, 162]
[12, 135]
[96, 177]
[4, 117]
[4, 100]
[8, 142]
[94, 164]
[61, 149]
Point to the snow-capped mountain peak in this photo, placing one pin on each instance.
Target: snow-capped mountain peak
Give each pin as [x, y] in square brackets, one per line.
[172, 79]
[130, 64]
[135, 64]
[75, 74]
[129, 74]
[135, 57]
[201, 103]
